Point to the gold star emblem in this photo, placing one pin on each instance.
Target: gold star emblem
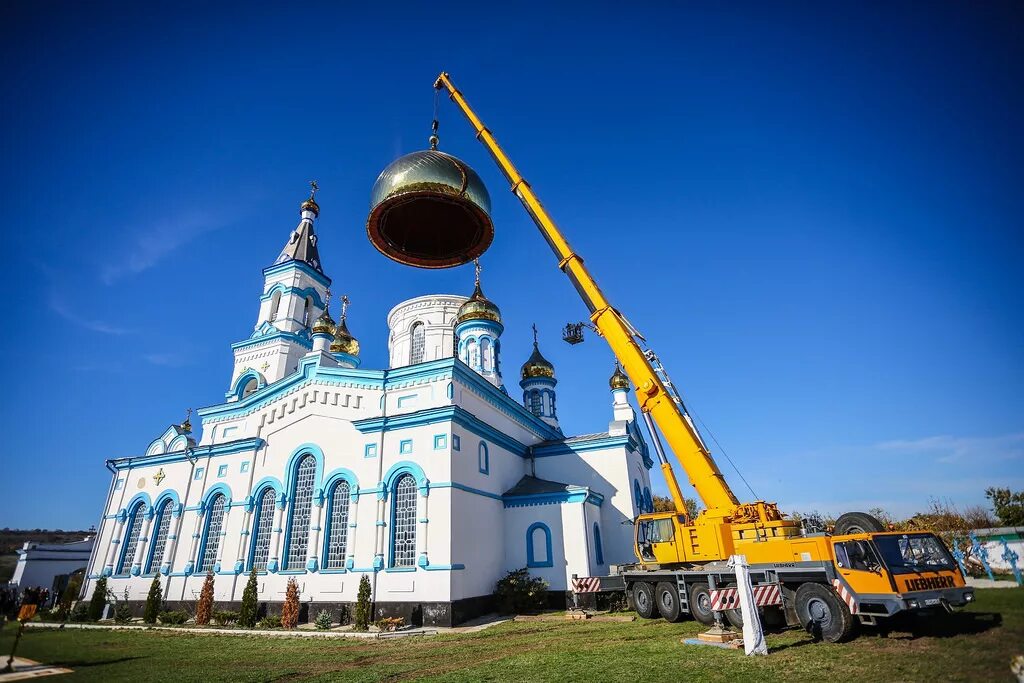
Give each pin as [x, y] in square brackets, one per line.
[159, 476]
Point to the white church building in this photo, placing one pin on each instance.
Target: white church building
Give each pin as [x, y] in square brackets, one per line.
[427, 476]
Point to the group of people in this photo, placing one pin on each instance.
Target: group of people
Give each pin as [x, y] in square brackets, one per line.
[12, 598]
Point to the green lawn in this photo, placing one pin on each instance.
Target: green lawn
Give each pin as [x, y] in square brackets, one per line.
[977, 644]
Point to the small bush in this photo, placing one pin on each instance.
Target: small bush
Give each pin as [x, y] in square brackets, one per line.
[70, 594]
[270, 621]
[290, 610]
[173, 618]
[79, 613]
[390, 623]
[225, 617]
[250, 606]
[99, 600]
[204, 607]
[345, 615]
[518, 592]
[122, 612]
[154, 601]
[363, 604]
[323, 620]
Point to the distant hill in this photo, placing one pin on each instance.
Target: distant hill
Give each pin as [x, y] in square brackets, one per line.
[13, 539]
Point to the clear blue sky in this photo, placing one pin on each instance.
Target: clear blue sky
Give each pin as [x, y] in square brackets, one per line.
[814, 213]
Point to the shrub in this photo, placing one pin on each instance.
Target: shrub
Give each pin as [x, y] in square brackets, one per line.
[363, 604]
[390, 623]
[518, 592]
[204, 608]
[79, 613]
[270, 621]
[225, 618]
[69, 596]
[122, 612]
[154, 601]
[323, 620]
[290, 610]
[99, 600]
[345, 615]
[173, 618]
[250, 604]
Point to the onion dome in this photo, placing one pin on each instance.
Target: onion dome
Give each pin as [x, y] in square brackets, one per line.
[344, 342]
[478, 306]
[310, 204]
[537, 365]
[430, 210]
[618, 379]
[325, 323]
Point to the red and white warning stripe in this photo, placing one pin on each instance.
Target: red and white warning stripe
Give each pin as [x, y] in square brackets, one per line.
[846, 595]
[729, 598]
[588, 584]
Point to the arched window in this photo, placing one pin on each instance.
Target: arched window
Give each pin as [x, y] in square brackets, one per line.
[648, 501]
[262, 521]
[538, 545]
[403, 522]
[472, 354]
[536, 403]
[483, 459]
[162, 523]
[131, 538]
[598, 550]
[419, 344]
[250, 387]
[298, 517]
[275, 303]
[307, 312]
[337, 525]
[455, 339]
[487, 354]
[211, 534]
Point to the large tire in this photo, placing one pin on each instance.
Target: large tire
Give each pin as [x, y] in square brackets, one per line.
[700, 604]
[735, 617]
[823, 614]
[643, 600]
[856, 523]
[667, 598]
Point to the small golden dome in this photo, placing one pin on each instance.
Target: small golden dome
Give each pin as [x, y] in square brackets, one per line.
[618, 379]
[344, 342]
[324, 324]
[537, 365]
[311, 205]
[478, 307]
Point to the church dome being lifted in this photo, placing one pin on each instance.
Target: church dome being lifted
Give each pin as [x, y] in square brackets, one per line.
[431, 210]
[537, 365]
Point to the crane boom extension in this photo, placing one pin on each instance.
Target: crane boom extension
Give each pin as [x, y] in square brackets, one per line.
[654, 398]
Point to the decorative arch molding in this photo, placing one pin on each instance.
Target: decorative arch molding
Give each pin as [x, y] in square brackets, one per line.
[257, 490]
[342, 474]
[293, 467]
[172, 495]
[238, 388]
[138, 497]
[177, 444]
[301, 292]
[531, 558]
[211, 493]
[397, 470]
[156, 447]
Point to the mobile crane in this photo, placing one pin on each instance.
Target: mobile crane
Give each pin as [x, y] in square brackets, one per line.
[818, 581]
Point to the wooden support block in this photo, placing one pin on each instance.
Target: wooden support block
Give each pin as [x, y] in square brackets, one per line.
[718, 635]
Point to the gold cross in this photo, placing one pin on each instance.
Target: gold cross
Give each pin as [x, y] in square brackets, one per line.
[159, 476]
[344, 306]
[535, 334]
[313, 187]
[477, 268]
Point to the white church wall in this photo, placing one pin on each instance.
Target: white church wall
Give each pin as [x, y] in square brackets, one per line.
[436, 312]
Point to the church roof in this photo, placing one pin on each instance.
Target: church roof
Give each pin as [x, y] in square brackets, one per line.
[531, 486]
[581, 438]
[301, 246]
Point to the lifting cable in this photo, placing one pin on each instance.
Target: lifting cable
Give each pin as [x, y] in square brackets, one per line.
[721, 450]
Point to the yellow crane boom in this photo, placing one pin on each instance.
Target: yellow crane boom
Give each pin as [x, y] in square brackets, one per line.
[654, 398]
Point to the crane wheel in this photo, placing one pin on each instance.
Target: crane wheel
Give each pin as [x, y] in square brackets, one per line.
[856, 523]
[700, 604]
[643, 600]
[823, 614]
[666, 596]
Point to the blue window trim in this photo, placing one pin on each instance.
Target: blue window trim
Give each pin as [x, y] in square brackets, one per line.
[199, 473]
[393, 477]
[370, 451]
[135, 508]
[531, 560]
[333, 481]
[207, 504]
[483, 459]
[119, 485]
[648, 501]
[456, 442]
[440, 442]
[261, 489]
[293, 481]
[222, 471]
[164, 506]
[638, 496]
[244, 467]
[598, 548]
[405, 447]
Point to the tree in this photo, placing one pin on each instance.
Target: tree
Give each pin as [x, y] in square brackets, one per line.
[69, 595]
[204, 608]
[290, 610]
[154, 601]
[665, 504]
[363, 604]
[99, 599]
[250, 605]
[1008, 505]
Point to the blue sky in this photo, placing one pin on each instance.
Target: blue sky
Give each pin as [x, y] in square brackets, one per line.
[813, 213]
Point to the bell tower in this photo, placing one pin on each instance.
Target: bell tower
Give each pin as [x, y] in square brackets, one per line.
[294, 295]
[538, 383]
[478, 331]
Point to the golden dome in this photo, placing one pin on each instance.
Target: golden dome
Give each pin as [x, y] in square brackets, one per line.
[324, 324]
[478, 307]
[618, 379]
[344, 342]
[311, 205]
[537, 365]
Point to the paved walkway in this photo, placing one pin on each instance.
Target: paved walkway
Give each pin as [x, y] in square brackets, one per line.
[24, 669]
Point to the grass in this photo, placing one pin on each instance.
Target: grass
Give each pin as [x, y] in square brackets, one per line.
[976, 644]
